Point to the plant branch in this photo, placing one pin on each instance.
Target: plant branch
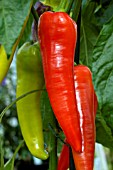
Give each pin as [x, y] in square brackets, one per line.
[34, 13]
[56, 134]
[77, 52]
[53, 152]
[16, 100]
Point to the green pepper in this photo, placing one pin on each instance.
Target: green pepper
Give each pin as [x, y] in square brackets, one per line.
[30, 77]
[4, 63]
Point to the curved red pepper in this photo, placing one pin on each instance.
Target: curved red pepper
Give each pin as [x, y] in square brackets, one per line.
[63, 161]
[57, 36]
[85, 97]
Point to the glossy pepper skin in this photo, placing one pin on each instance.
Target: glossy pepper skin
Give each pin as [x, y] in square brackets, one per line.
[57, 34]
[63, 161]
[85, 97]
[4, 63]
[30, 77]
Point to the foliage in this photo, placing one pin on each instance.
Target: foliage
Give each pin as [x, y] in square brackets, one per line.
[96, 52]
[14, 16]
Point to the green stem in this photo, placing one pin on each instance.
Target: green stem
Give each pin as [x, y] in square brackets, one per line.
[53, 150]
[62, 5]
[16, 100]
[57, 135]
[68, 6]
[53, 154]
[76, 8]
[34, 13]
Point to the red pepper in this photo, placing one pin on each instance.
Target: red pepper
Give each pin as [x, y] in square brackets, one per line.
[63, 161]
[57, 34]
[85, 97]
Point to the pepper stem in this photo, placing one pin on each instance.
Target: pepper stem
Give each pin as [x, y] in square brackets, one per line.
[53, 152]
[53, 155]
[57, 135]
[68, 6]
[75, 9]
[34, 13]
[65, 6]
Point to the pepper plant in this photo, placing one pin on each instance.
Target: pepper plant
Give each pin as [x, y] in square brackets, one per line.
[69, 32]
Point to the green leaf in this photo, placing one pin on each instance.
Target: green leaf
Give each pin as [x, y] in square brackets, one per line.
[13, 19]
[89, 33]
[103, 73]
[103, 132]
[104, 14]
[26, 36]
[10, 163]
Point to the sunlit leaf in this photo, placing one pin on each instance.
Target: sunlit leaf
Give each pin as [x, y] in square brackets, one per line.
[103, 132]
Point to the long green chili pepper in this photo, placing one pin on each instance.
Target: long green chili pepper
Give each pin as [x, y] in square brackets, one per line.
[30, 77]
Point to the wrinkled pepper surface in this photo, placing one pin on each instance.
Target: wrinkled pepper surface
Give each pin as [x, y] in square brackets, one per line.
[30, 77]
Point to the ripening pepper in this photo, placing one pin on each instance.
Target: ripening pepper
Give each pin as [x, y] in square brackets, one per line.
[30, 77]
[57, 34]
